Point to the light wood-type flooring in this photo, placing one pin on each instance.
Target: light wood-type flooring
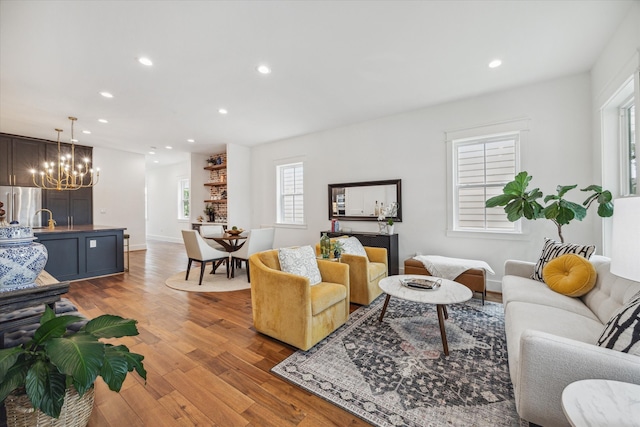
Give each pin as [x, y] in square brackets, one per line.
[206, 365]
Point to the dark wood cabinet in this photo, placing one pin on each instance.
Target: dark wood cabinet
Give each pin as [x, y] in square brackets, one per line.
[376, 240]
[18, 156]
[69, 208]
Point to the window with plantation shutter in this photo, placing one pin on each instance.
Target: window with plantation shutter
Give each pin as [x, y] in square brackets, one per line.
[482, 167]
[291, 193]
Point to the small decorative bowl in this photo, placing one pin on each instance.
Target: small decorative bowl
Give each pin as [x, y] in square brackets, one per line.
[235, 232]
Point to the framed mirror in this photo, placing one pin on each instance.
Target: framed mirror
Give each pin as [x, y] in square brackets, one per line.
[363, 201]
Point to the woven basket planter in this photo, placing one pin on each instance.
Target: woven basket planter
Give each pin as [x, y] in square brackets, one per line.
[76, 411]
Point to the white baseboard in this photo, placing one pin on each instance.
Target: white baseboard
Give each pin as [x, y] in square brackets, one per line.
[165, 238]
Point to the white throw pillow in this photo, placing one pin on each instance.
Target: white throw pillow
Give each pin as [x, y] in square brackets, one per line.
[301, 262]
[622, 331]
[352, 246]
[553, 249]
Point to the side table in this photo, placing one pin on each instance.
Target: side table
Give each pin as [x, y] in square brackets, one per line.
[596, 403]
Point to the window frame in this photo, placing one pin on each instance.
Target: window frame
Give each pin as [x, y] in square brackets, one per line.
[182, 215]
[281, 195]
[519, 127]
[627, 117]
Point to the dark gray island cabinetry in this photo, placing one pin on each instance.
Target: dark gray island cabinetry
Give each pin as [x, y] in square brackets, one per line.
[83, 251]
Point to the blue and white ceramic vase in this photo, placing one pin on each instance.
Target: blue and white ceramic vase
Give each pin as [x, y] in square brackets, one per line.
[21, 259]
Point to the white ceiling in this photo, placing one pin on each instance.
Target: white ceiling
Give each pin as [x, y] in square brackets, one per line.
[333, 62]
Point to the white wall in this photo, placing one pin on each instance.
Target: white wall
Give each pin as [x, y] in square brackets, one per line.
[118, 199]
[411, 146]
[162, 196]
[239, 187]
[199, 193]
[615, 65]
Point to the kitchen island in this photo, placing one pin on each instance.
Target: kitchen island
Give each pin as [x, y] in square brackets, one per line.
[82, 251]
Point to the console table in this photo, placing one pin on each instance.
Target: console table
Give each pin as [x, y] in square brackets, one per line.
[47, 292]
[376, 240]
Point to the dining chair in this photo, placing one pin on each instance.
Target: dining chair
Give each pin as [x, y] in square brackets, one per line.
[199, 250]
[212, 230]
[259, 239]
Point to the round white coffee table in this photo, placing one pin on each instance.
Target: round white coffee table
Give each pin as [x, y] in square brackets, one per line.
[601, 403]
[449, 292]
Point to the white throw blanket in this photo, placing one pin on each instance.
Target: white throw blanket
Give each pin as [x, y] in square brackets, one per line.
[450, 268]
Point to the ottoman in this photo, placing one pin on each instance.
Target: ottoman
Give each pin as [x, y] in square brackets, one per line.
[473, 278]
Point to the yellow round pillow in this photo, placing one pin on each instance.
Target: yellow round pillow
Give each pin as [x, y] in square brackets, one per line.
[570, 275]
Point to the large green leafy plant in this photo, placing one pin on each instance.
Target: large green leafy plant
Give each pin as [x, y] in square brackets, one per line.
[54, 360]
[518, 202]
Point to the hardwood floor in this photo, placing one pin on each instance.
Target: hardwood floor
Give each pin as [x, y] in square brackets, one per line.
[206, 365]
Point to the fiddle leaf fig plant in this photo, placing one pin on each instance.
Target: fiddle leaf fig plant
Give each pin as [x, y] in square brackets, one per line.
[55, 360]
[520, 203]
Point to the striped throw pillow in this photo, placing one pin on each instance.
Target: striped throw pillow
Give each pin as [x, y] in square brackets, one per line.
[622, 331]
[553, 249]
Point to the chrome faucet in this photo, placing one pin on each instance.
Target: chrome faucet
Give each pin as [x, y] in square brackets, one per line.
[51, 222]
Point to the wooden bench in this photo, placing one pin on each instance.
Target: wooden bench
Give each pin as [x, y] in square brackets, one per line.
[473, 278]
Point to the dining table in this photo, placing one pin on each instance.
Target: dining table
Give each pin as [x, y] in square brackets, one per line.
[230, 243]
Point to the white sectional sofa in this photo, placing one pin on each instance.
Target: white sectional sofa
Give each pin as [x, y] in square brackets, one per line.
[551, 338]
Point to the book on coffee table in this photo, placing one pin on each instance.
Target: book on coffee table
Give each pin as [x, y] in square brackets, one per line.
[422, 284]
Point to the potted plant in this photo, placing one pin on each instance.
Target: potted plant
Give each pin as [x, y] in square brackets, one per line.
[518, 203]
[210, 212]
[56, 362]
[337, 248]
[390, 226]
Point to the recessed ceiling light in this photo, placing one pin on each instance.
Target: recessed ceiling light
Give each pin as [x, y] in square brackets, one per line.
[168, 147]
[152, 152]
[86, 132]
[263, 69]
[156, 161]
[191, 140]
[74, 140]
[223, 111]
[106, 94]
[145, 61]
[103, 120]
[495, 63]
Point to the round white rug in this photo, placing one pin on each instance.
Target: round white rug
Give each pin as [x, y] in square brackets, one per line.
[210, 282]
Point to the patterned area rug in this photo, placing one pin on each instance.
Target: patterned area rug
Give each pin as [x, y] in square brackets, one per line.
[395, 373]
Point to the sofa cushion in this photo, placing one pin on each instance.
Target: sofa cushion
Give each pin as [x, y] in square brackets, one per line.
[324, 295]
[377, 269]
[520, 316]
[570, 275]
[553, 249]
[521, 289]
[301, 262]
[610, 292]
[622, 331]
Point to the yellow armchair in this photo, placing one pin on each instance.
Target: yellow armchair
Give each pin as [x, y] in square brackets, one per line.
[364, 273]
[287, 308]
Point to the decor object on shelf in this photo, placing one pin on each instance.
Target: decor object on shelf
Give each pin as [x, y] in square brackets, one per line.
[385, 217]
[21, 259]
[55, 361]
[3, 221]
[337, 248]
[63, 175]
[210, 212]
[518, 203]
[325, 246]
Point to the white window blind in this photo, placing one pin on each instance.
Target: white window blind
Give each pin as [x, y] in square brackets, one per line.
[482, 167]
[291, 193]
[628, 168]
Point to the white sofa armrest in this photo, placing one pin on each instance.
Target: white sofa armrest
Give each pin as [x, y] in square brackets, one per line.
[548, 363]
[514, 267]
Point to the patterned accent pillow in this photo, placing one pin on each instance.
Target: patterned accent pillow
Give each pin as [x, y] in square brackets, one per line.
[553, 249]
[622, 331]
[301, 262]
[352, 246]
